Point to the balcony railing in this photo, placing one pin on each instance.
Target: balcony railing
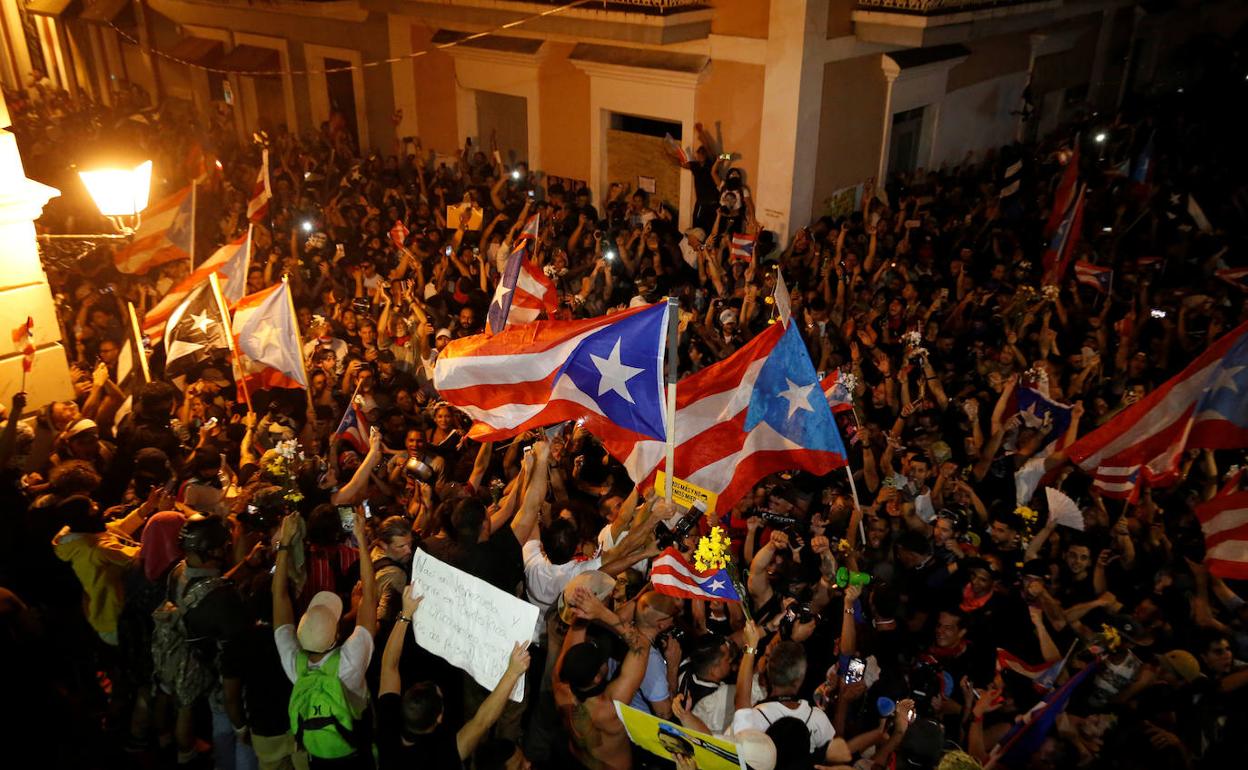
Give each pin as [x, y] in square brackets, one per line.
[632, 6]
[936, 7]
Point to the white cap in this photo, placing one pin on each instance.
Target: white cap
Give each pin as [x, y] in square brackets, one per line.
[318, 628]
[756, 749]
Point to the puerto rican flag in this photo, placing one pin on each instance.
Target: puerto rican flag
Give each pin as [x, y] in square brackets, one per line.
[399, 233]
[266, 335]
[353, 429]
[230, 262]
[743, 247]
[1042, 675]
[1062, 244]
[607, 371]
[532, 228]
[673, 576]
[839, 397]
[1235, 276]
[1065, 193]
[261, 192]
[523, 293]
[1099, 278]
[758, 412]
[1203, 407]
[1224, 522]
[163, 236]
[24, 342]
[1029, 730]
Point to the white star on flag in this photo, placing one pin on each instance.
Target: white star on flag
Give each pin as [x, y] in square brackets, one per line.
[798, 396]
[202, 321]
[266, 338]
[716, 585]
[615, 374]
[1226, 379]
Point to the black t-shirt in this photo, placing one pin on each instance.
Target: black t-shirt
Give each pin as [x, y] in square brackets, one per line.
[436, 749]
[498, 561]
[253, 658]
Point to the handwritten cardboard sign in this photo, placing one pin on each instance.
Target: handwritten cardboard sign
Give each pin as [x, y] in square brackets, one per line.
[468, 622]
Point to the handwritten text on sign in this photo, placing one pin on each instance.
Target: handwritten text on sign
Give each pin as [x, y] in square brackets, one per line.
[468, 622]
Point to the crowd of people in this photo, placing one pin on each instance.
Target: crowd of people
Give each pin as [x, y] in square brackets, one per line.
[199, 583]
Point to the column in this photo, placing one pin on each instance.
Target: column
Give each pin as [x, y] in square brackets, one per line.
[792, 92]
[24, 287]
[891, 71]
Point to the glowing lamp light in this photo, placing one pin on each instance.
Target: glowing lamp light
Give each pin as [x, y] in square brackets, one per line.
[307, 227]
[1101, 137]
[119, 192]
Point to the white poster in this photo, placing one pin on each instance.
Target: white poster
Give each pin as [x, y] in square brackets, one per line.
[468, 622]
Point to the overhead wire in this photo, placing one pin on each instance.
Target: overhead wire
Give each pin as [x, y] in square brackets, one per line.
[352, 67]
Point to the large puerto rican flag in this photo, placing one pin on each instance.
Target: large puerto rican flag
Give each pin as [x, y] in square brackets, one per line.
[230, 263]
[607, 371]
[523, 293]
[759, 411]
[163, 236]
[266, 336]
[674, 576]
[1204, 407]
[1224, 522]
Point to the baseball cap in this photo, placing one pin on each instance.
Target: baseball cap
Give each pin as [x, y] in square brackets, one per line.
[81, 426]
[599, 583]
[728, 316]
[696, 232]
[755, 749]
[318, 628]
[443, 332]
[1181, 663]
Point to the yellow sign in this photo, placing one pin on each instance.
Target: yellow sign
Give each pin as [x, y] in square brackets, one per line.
[684, 493]
[665, 739]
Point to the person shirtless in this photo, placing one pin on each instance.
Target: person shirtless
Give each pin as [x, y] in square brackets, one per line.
[583, 693]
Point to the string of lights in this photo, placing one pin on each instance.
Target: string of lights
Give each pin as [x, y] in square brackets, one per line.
[365, 65]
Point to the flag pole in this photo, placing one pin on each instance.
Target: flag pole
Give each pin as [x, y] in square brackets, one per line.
[294, 322]
[229, 336]
[136, 339]
[194, 187]
[673, 361]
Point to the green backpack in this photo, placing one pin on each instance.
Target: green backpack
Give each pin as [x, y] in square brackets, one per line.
[320, 717]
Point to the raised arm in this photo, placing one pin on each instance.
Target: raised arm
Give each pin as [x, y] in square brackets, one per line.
[366, 615]
[283, 611]
[525, 524]
[354, 490]
[390, 681]
[491, 709]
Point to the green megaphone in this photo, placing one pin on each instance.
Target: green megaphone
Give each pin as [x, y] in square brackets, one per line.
[847, 577]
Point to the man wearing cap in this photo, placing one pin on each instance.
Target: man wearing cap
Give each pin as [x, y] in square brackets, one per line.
[323, 339]
[81, 441]
[315, 642]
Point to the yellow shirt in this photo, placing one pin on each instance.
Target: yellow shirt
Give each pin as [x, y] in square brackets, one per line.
[100, 561]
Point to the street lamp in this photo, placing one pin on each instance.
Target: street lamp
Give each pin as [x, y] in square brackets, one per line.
[120, 194]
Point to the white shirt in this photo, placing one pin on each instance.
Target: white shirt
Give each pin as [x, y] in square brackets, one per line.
[764, 715]
[545, 581]
[606, 542]
[353, 658]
